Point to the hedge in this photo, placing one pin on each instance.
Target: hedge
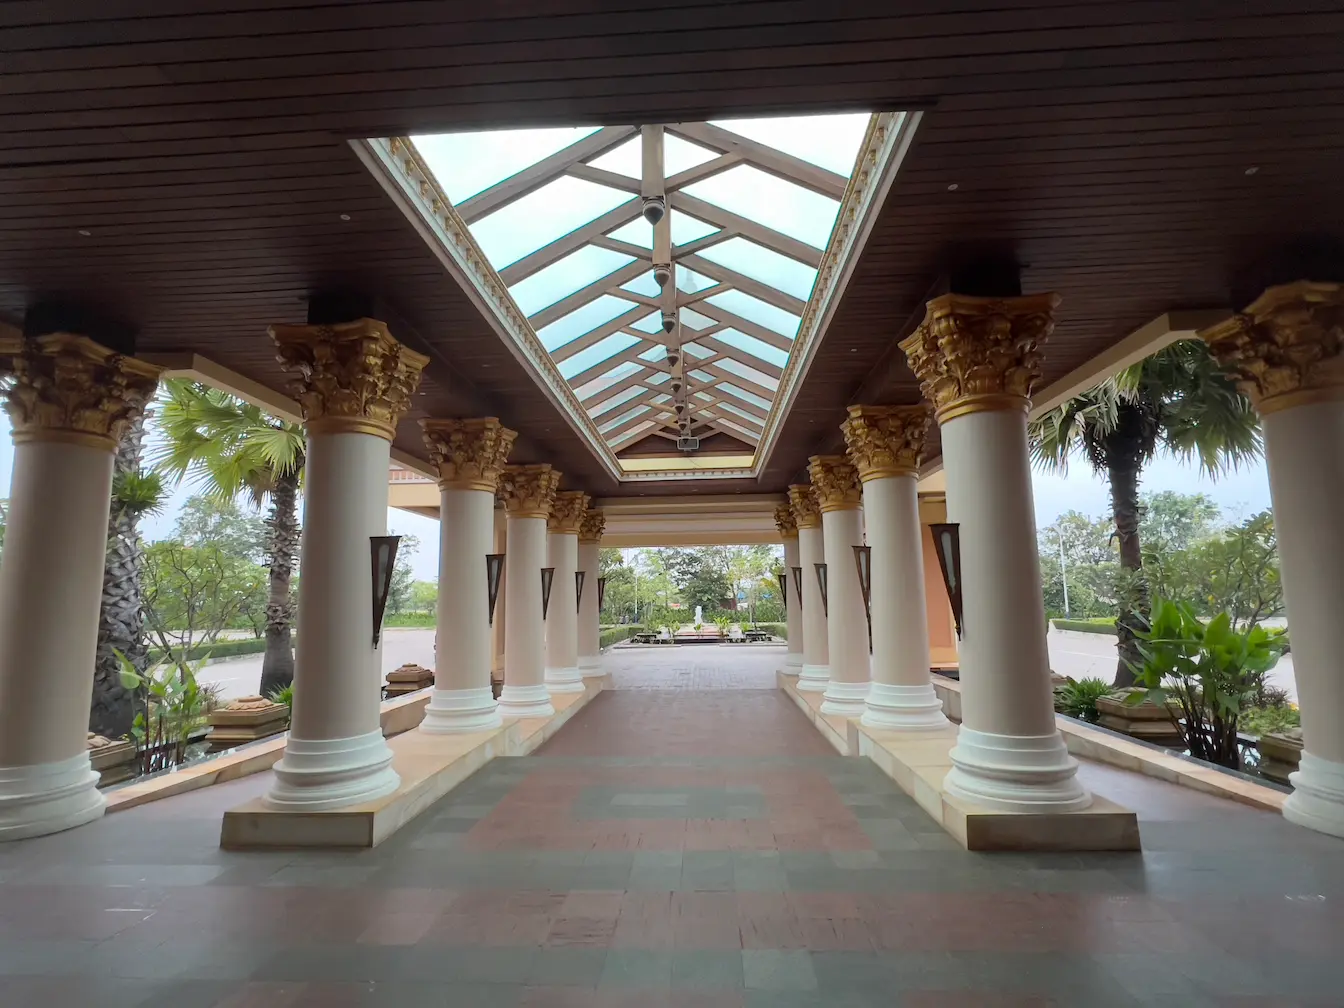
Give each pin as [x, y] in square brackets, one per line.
[611, 635]
[1098, 625]
[425, 620]
[217, 649]
[780, 630]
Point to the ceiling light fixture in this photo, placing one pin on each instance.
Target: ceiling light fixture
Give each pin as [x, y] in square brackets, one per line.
[1252, 169]
[85, 233]
[345, 216]
[952, 187]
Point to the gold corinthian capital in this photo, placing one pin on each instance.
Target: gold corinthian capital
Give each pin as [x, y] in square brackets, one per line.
[785, 521]
[594, 524]
[353, 377]
[1284, 350]
[806, 507]
[567, 511]
[886, 440]
[64, 387]
[469, 454]
[528, 490]
[972, 354]
[837, 482]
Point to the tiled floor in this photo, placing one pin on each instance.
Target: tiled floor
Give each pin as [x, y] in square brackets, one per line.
[675, 848]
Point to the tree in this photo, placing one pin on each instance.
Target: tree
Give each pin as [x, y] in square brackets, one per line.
[1178, 400]
[235, 448]
[1234, 571]
[1176, 521]
[424, 596]
[193, 593]
[403, 576]
[701, 575]
[208, 519]
[121, 612]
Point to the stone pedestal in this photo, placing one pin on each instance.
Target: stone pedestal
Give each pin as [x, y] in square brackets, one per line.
[245, 720]
[407, 679]
[113, 762]
[1280, 754]
[1146, 722]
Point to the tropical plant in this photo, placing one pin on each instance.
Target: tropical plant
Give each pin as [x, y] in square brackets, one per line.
[235, 448]
[172, 706]
[1213, 672]
[284, 695]
[1078, 697]
[121, 614]
[1178, 400]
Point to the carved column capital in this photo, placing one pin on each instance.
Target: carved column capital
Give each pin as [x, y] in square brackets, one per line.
[567, 511]
[353, 377]
[972, 354]
[594, 524]
[886, 440]
[785, 521]
[469, 454]
[1285, 348]
[806, 507]
[837, 482]
[64, 387]
[528, 490]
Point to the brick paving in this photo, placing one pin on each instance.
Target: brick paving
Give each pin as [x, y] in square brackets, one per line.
[675, 848]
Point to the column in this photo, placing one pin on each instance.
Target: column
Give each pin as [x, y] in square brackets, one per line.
[69, 403]
[562, 614]
[527, 492]
[590, 616]
[793, 617]
[469, 455]
[976, 359]
[501, 547]
[840, 496]
[355, 383]
[885, 444]
[816, 670]
[1286, 350]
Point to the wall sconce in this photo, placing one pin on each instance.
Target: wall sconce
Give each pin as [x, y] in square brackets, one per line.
[494, 574]
[547, 577]
[798, 585]
[383, 557]
[579, 577]
[863, 560]
[784, 590]
[947, 540]
[821, 583]
[601, 592]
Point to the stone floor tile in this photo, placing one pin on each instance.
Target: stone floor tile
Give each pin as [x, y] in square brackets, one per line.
[776, 970]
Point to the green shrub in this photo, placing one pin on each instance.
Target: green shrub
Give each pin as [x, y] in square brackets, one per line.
[1263, 720]
[284, 695]
[617, 633]
[780, 630]
[218, 649]
[1078, 697]
[410, 619]
[1098, 624]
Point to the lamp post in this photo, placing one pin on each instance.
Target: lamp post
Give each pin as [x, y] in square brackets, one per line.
[947, 536]
[494, 573]
[383, 558]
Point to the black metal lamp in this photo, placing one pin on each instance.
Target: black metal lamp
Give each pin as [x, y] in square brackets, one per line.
[863, 560]
[579, 577]
[601, 592]
[821, 583]
[547, 578]
[798, 585]
[383, 557]
[947, 540]
[784, 590]
[494, 574]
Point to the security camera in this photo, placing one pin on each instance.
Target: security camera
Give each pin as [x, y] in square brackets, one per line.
[654, 208]
[676, 387]
[680, 408]
[669, 321]
[662, 273]
[672, 358]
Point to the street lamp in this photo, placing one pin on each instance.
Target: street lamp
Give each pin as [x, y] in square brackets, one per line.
[494, 573]
[947, 538]
[383, 557]
[863, 560]
[547, 577]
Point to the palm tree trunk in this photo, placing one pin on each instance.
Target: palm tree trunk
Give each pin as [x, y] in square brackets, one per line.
[121, 617]
[277, 668]
[1123, 470]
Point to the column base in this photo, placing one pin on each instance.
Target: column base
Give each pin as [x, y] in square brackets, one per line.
[590, 665]
[319, 774]
[793, 663]
[453, 711]
[845, 699]
[1318, 801]
[904, 708]
[564, 680]
[814, 677]
[48, 797]
[525, 701]
[1015, 773]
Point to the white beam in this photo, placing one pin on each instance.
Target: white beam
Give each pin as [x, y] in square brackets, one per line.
[747, 228]
[768, 159]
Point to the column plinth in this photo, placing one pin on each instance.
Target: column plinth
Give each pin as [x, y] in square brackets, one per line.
[527, 493]
[562, 618]
[886, 443]
[590, 616]
[469, 455]
[815, 672]
[977, 360]
[69, 403]
[1287, 352]
[839, 496]
[355, 382]
[788, 531]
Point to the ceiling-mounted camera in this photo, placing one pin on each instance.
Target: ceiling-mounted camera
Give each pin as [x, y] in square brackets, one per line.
[654, 208]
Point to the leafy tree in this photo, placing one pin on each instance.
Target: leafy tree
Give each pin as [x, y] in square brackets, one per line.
[702, 576]
[235, 448]
[424, 596]
[1178, 400]
[403, 576]
[1176, 521]
[193, 593]
[1236, 570]
[208, 519]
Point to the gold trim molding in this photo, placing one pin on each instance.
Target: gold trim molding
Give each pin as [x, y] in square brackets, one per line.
[1286, 348]
[568, 509]
[594, 525]
[67, 388]
[973, 354]
[353, 377]
[527, 491]
[785, 521]
[469, 454]
[836, 480]
[805, 504]
[885, 441]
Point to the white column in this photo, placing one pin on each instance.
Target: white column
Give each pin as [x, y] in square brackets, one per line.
[793, 659]
[525, 693]
[51, 575]
[501, 546]
[816, 670]
[562, 618]
[357, 381]
[846, 625]
[590, 562]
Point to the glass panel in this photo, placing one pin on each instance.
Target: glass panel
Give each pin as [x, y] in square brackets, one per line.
[616, 400]
[751, 435]
[702, 376]
[541, 217]
[658, 377]
[753, 346]
[692, 282]
[643, 284]
[659, 400]
[751, 417]
[596, 353]
[696, 350]
[627, 415]
[686, 228]
[656, 354]
[828, 141]
[650, 323]
[467, 163]
[562, 278]
[627, 159]
[680, 155]
[742, 393]
[755, 310]
[782, 206]
[692, 318]
[634, 432]
[703, 397]
[637, 232]
[749, 373]
[582, 320]
[763, 264]
[605, 381]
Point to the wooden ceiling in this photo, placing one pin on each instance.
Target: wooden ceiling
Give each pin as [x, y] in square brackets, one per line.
[201, 146]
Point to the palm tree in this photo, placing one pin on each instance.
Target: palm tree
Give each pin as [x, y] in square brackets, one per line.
[1178, 400]
[121, 617]
[234, 448]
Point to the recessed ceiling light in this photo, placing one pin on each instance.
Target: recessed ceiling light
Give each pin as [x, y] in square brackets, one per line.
[85, 233]
[952, 187]
[1252, 169]
[422, 393]
[853, 349]
[345, 216]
